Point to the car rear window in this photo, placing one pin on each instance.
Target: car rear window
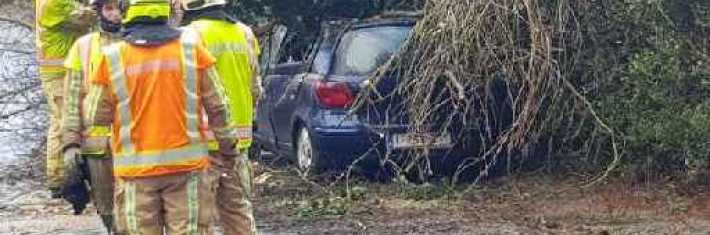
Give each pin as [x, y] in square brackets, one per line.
[362, 51]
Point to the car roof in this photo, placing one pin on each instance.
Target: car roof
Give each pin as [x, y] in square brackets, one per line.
[384, 22]
[406, 18]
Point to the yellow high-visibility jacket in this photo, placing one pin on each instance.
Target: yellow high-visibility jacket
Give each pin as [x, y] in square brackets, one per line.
[58, 24]
[81, 62]
[236, 49]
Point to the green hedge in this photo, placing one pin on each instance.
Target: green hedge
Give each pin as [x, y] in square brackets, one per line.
[658, 96]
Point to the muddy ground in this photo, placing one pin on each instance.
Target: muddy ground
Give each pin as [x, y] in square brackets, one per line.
[286, 204]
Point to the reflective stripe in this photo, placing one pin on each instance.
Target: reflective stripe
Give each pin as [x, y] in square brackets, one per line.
[72, 114]
[212, 145]
[193, 203]
[162, 157]
[188, 49]
[118, 81]
[226, 132]
[51, 62]
[95, 145]
[153, 66]
[51, 73]
[251, 50]
[90, 54]
[99, 131]
[92, 101]
[130, 207]
[243, 144]
[85, 54]
[244, 132]
[244, 137]
[214, 79]
[218, 49]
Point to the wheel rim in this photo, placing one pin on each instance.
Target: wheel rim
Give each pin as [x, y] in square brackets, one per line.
[305, 151]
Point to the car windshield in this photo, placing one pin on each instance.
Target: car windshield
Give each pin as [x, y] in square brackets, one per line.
[362, 51]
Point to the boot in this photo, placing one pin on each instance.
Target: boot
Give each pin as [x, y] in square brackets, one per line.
[108, 223]
[55, 193]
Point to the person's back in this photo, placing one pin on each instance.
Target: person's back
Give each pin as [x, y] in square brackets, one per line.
[153, 87]
[57, 23]
[235, 48]
[163, 107]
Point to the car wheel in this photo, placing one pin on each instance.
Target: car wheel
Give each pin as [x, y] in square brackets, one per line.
[307, 157]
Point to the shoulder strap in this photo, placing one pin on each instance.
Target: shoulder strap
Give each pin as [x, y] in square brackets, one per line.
[251, 43]
[84, 47]
[189, 39]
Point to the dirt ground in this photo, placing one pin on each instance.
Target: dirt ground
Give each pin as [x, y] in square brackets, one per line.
[286, 204]
[519, 205]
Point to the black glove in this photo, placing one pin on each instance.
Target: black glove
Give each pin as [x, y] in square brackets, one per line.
[74, 188]
[71, 158]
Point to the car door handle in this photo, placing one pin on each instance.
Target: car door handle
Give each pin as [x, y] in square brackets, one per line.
[291, 90]
[294, 90]
[295, 86]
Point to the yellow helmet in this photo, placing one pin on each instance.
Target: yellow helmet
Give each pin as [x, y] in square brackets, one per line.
[194, 5]
[145, 10]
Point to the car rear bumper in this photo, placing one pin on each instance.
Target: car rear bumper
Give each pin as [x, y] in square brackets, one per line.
[342, 143]
[349, 144]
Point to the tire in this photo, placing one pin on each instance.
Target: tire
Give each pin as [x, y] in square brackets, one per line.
[307, 157]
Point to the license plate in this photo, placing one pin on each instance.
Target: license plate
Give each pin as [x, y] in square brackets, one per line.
[420, 140]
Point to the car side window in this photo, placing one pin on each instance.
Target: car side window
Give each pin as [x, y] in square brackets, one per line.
[321, 62]
[272, 47]
[288, 52]
[362, 51]
[323, 57]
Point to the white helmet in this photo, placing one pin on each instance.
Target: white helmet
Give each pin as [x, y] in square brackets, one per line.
[194, 5]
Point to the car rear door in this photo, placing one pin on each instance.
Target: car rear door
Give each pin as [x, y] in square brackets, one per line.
[271, 80]
[295, 99]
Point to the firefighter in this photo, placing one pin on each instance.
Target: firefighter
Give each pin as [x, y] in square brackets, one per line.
[81, 61]
[236, 49]
[58, 23]
[152, 88]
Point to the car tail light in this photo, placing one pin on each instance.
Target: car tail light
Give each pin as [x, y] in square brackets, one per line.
[334, 94]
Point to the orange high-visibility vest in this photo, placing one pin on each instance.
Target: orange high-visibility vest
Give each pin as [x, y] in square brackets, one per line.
[158, 114]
